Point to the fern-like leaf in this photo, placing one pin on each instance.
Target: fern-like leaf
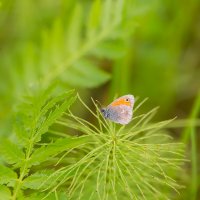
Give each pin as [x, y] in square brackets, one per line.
[34, 181]
[44, 153]
[49, 118]
[37, 113]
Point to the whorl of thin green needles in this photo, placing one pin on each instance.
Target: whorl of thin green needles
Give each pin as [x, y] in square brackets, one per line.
[133, 162]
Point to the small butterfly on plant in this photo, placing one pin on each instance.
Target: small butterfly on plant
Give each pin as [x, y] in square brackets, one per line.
[120, 110]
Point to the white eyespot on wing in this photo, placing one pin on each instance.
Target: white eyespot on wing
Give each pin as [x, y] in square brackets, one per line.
[123, 111]
[125, 117]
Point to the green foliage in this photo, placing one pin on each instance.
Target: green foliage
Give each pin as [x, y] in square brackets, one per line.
[22, 152]
[46, 151]
[65, 48]
[71, 50]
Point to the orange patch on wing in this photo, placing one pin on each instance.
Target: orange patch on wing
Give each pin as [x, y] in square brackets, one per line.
[121, 102]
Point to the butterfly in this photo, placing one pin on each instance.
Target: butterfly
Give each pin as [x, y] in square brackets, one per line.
[120, 110]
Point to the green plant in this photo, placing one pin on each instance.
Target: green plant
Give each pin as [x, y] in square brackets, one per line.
[106, 161]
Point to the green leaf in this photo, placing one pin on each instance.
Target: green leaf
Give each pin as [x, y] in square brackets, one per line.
[44, 153]
[56, 45]
[7, 176]
[118, 8]
[5, 193]
[106, 13]
[47, 121]
[85, 74]
[74, 29]
[31, 109]
[29, 61]
[94, 18]
[11, 152]
[55, 100]
[34, 181]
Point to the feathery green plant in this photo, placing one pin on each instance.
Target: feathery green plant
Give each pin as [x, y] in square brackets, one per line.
[132, 163]
[24, 149]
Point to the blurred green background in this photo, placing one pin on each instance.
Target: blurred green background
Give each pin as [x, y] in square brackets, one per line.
[153, 51]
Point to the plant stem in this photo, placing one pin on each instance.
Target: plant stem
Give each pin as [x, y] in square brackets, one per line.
[194, 173]
[190, 133]
[23, 173]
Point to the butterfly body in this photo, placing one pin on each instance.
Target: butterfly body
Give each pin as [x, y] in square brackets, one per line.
[120, 111]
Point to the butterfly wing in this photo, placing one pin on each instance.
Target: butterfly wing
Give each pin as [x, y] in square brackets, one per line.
[121, 114]
[120, 110]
